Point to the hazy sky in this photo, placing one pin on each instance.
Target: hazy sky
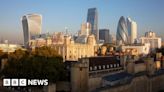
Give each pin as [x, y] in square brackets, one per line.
[58, 14]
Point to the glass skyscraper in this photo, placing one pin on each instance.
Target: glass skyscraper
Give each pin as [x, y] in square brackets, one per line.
[31, 27]
[122, 32]
[92, 18]
[104, 35]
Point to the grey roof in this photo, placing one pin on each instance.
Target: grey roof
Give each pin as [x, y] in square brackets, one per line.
[103, 60]
[117, 76]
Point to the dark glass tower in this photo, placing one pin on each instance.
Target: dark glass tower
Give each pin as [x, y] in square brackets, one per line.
[92, 18]
[104, 35]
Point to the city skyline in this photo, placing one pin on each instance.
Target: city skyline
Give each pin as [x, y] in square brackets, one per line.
[60, 14]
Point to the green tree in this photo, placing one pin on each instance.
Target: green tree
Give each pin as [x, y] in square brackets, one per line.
[42, 63]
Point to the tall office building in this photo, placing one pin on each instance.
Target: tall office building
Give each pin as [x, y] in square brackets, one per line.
[122, 32]
[92, 18]
[32, 26]
[104, 35]
[132, 30]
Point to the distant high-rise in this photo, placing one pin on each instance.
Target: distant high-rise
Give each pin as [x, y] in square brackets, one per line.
[104, 35]
[85, 29]
[32, 25]
[122, 32]
[132, 30]
[92, 18]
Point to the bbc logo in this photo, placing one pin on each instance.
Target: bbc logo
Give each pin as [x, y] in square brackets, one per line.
[14, 82]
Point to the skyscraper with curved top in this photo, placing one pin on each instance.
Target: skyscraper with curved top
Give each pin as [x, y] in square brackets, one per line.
[32, 26]
[122, 32]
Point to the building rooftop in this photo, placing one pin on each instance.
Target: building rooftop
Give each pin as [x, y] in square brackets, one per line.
[117, 76]
[103, 60]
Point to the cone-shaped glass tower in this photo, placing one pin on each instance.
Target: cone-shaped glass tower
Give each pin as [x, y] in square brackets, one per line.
[122, 32]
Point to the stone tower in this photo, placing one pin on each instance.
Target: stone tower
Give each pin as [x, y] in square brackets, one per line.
[79, 76]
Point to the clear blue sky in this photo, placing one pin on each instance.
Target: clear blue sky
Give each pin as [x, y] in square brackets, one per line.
[58, 14]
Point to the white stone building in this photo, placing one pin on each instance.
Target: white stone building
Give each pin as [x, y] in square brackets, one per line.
[150, 37]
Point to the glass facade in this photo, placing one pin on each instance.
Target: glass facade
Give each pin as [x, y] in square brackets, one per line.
[92, 18]
[31, 27]
[122, 32]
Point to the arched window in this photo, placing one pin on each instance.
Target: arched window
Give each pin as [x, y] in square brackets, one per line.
[107, 66]
[103, 66]
[118, 65]
[90, 68]
[99, 66]
[114, 65]
[95, 68]
[111, 65]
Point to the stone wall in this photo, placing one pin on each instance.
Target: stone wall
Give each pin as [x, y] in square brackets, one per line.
[94, 83]
[79, 78]
[157, 83]
[138, 84]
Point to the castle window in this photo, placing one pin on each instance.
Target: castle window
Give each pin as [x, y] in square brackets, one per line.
[111, 65]
[107, 66]
[80, 69]
[90, 68]
[114, 65]
[95, 68]
[118, 65]
[99, 67]
[68, 67]
[103, 66]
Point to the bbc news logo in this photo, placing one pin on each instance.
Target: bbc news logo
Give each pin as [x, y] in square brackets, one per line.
[25, 82]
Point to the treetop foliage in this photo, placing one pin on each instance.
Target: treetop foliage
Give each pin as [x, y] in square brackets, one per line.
[42, 63]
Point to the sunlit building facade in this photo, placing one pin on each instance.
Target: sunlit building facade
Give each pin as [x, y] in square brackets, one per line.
[150, 37]
[132, 30]
[136, 49]
[72, 51]
[58, 38]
